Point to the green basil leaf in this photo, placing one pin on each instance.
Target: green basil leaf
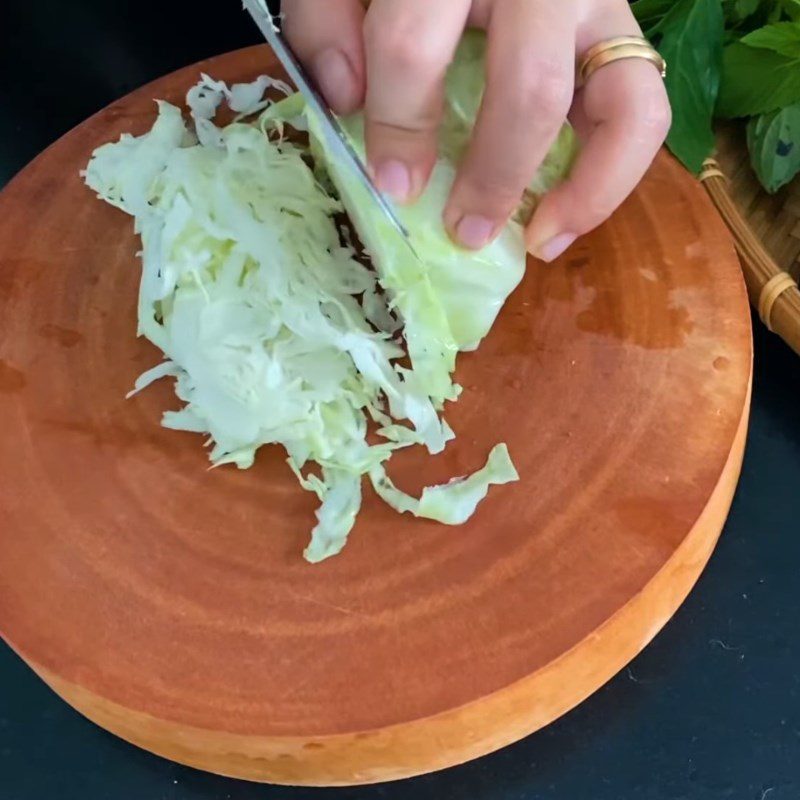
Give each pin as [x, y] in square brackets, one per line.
[782, 37]
[742, 16]
[756, 80]
[775, 14]
[649, 13]
[774, 143]
[690, 40]
[791, 8]
[742, 9]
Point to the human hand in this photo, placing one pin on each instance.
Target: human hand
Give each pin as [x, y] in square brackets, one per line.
[391, 58]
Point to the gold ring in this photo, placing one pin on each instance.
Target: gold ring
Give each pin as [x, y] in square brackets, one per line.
[616, 49]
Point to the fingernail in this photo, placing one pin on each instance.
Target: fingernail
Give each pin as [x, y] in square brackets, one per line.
[553, 248]
[393, 178]
[474, 231]
[336, 79]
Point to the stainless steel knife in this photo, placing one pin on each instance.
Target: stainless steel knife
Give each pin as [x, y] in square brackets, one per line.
[332, 130]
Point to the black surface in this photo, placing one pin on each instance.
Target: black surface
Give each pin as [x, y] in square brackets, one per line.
[710, 710]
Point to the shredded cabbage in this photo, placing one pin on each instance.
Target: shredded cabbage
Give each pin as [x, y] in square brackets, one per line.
[452, 503]
[273, 329]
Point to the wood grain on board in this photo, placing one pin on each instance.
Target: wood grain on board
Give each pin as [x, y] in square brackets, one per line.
[171, 604]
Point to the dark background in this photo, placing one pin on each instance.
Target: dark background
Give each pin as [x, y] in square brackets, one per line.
[710, 710]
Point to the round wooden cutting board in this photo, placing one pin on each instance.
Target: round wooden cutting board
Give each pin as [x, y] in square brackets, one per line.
[171, 604]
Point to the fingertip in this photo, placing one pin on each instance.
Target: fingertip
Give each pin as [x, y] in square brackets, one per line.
[408, 47]
[550, 249]
[474, 218]
[551, 231]
[400, 162]
[474, 231]
[393, 178]
[402, 182]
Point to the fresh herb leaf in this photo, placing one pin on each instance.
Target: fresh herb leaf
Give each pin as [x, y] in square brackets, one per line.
[760, 76]
[690, 40]
[756, 80]
[742, 9]
[775, 14]
[791, 8]
[649, 13]
[742, 16]
[782, 37]
[774, 143]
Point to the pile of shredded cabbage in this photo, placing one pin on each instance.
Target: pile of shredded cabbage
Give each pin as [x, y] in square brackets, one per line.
[272, 328]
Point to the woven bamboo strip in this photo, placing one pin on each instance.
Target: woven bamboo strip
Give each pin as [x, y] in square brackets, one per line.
[759, 221]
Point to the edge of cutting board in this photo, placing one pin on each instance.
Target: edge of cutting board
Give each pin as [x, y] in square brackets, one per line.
[454, 737]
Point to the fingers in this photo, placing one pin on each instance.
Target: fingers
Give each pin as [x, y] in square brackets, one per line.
[625, 112]
[409, 44]
[328, 38]
[529, 88]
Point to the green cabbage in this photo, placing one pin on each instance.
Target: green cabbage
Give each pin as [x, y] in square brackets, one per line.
[454, 297]
[450, 302]
[272, 328]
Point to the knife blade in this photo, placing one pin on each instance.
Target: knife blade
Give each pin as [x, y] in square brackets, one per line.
[332, 130]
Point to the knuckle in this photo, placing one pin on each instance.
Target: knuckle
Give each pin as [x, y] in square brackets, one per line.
[541, 87]
[414, 136]
[649, 116]
[402, 50]
[494, 191]
[657, 118]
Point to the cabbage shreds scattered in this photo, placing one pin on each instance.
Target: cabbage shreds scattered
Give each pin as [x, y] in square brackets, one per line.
[272, 328]
[452, 503]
